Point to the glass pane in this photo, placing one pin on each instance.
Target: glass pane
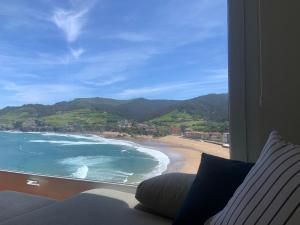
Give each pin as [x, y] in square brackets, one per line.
[115, 91]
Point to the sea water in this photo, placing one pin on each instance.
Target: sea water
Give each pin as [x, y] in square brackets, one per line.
[87, 157]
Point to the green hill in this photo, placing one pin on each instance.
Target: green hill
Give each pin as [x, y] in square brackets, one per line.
[207, 113]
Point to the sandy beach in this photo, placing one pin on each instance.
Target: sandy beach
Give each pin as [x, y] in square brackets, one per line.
[185, 154]
[190, 152]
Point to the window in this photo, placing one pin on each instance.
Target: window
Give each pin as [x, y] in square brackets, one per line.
[114, 91]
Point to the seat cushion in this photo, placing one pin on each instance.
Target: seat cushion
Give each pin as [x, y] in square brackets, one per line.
[14, 204]
[100, 206]
[165, 194]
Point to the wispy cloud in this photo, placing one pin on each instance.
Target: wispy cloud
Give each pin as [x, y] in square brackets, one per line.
[217, 74]
[137, 92]
[102, 69]
[10, 60]
[39, 93]
[21, 15]
[71, 22]
[132, 37]
[200, 20]
[214, 81]
[105, 81]
[114, 63]
[76, 53]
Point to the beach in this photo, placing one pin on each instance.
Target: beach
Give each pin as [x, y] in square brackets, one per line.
[184, 154]
[190, 152]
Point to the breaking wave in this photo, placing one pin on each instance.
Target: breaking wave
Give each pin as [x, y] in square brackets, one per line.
[162, 159]
[87, 167]
[81, 172]
[65, 142]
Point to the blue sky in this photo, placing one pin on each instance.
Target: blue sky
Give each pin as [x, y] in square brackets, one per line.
[54, 50]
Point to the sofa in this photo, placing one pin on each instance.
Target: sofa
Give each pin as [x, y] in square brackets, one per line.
[99, 206]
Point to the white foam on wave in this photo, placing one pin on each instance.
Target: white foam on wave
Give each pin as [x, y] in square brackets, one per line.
[162, 159]
[12, 132]
[65, 142]
[88, 167]
[86, 160]
[124, 173]
[81, 172]
[94, 138]
[19, 132]
[82, 164]
[76, 136]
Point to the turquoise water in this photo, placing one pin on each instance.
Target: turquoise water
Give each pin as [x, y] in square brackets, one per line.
[85, 157]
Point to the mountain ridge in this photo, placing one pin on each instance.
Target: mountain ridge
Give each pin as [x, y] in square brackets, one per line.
[107, 113]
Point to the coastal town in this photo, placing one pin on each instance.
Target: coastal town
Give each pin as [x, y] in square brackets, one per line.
[126, 126]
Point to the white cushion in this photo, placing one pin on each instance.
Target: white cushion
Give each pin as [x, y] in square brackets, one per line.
[270, 194]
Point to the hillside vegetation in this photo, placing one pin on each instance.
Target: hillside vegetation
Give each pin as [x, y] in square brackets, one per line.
[136, 116]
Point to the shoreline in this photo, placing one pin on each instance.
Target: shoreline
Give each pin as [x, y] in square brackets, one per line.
[184, 154]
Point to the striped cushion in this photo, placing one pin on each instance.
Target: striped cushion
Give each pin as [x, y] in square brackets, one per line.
[270, 194]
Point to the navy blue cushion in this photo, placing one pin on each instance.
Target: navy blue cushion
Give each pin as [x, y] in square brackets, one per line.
[215, 183]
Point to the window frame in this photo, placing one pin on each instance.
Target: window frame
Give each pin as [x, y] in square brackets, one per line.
[244, 53]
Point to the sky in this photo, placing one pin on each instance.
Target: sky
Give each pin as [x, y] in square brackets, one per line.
[58, 50]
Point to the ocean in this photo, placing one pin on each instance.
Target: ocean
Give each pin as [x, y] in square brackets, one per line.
[87, 157]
